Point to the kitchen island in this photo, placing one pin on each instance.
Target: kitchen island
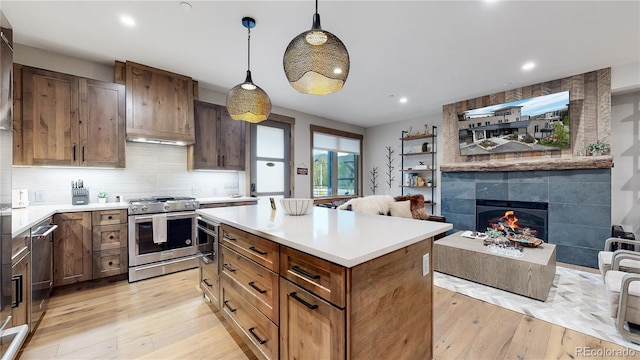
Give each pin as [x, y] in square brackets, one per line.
[330, 284]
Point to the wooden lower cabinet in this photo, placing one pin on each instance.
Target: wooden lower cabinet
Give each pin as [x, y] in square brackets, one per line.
[21, 291]
[210, 282]
[309, 326]
[257, 331]
[109, 263]
[72, 245]
[110, 236]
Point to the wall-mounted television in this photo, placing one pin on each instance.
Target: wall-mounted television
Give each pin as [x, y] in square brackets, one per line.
[539, 123]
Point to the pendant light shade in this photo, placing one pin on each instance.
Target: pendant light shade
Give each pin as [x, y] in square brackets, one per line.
[247, 101]
[316, 61]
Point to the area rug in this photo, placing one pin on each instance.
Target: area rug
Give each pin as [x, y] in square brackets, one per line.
[577, 301]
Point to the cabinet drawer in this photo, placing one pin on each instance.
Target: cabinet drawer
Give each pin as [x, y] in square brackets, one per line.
[262, 251]
[321, 277]
[109, 237]
[210, 283]
[258, 332]
[310, 326]
[20, 246]
[256, 284]
[110, 217]
[109, 263]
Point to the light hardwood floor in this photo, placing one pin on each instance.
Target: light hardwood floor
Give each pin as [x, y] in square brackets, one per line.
[166, 318]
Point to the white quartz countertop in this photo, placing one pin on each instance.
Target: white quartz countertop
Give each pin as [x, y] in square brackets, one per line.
[24, 218]
[343, 237]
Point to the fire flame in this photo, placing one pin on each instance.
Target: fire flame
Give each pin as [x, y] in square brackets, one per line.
[508, 221]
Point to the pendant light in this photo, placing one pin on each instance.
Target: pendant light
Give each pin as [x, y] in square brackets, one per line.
[316, 61]
[247, 101]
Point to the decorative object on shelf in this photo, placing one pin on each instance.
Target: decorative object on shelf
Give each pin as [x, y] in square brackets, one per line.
[420, 181]
[390, 167]
[247, 101]
[374, 179]
[102, 197]
[598, 148]
[316, 61]
[425, 147]
[429, 182]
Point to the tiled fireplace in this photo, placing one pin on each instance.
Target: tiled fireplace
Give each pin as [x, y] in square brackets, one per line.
[579, 204]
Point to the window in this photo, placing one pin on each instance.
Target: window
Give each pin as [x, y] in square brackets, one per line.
[336, 162]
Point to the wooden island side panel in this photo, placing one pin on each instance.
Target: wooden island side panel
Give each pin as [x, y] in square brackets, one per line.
[390, 307]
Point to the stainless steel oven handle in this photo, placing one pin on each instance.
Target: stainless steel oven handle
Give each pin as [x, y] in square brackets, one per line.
[169, 215]
[208, 222]
[207, 231]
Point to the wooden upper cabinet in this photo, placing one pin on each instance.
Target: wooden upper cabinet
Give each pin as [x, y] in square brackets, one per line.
[66, 120]
[220, 140]
[159, 104]
[102, 123]
[49, 117]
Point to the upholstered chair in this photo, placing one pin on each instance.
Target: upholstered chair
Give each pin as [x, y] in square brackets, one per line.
[623, 291]
[605, 257]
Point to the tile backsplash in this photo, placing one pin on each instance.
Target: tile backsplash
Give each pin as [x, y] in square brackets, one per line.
[151, 169]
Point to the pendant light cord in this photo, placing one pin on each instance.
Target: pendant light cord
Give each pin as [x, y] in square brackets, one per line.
[316, 6]
[249, 48]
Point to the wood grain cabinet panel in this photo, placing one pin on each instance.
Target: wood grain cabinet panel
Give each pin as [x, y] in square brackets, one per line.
[102, 123]
[110, 237]
[258, 285]
[72, 248]
[262, 251]
[66, 120]
[257, 331]
[309, 325]
[219, 140]
[159, 104]
[319, 276]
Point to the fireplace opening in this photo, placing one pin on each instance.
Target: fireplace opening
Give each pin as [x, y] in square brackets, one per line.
[513, 217]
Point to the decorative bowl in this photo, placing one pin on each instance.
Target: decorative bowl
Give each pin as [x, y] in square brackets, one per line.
[296, 206]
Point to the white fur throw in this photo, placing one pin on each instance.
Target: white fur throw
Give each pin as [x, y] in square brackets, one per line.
[372, 204]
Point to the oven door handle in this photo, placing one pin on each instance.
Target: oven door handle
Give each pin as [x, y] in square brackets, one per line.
[169, 215]
[207, 231]
[208, 222]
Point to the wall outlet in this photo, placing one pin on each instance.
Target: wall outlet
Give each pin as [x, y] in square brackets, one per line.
[231, 185]
[425, 264]
[194, 191]
[39, 197]
[214, 191]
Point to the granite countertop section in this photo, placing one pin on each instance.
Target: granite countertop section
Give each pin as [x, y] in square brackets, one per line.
[24, 218]
[343, 237]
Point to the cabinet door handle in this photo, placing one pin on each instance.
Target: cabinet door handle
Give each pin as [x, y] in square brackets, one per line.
[17, 290]
[226, 304]
[206, 282]
[229, 237]
[256, 336]
[253, 285]
[222, 160]
[111, 237]
[110, 217]
[110, 263]
[218, 160]
[83, 153]
[228, 268]
[304, 273]
[74, 152]
[295, 296]
[252, 248]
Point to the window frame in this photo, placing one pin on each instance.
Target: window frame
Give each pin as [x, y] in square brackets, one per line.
[334, 178]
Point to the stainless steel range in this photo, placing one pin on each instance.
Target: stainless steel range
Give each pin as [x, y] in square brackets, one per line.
[162, 236]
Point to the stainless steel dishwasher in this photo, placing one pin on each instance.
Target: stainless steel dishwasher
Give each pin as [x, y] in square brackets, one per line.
[41, 269]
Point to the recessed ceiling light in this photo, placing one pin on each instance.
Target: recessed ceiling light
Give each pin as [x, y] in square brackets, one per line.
[403, 100]
[127, 20]
[528, 66]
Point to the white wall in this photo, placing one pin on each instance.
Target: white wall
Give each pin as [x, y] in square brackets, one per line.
[625, 148]
[375, 142]
[151, 169]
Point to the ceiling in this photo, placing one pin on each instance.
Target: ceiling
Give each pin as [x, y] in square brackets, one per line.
[432, 52]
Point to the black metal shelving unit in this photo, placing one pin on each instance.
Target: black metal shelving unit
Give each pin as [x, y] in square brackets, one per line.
[420, 163]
